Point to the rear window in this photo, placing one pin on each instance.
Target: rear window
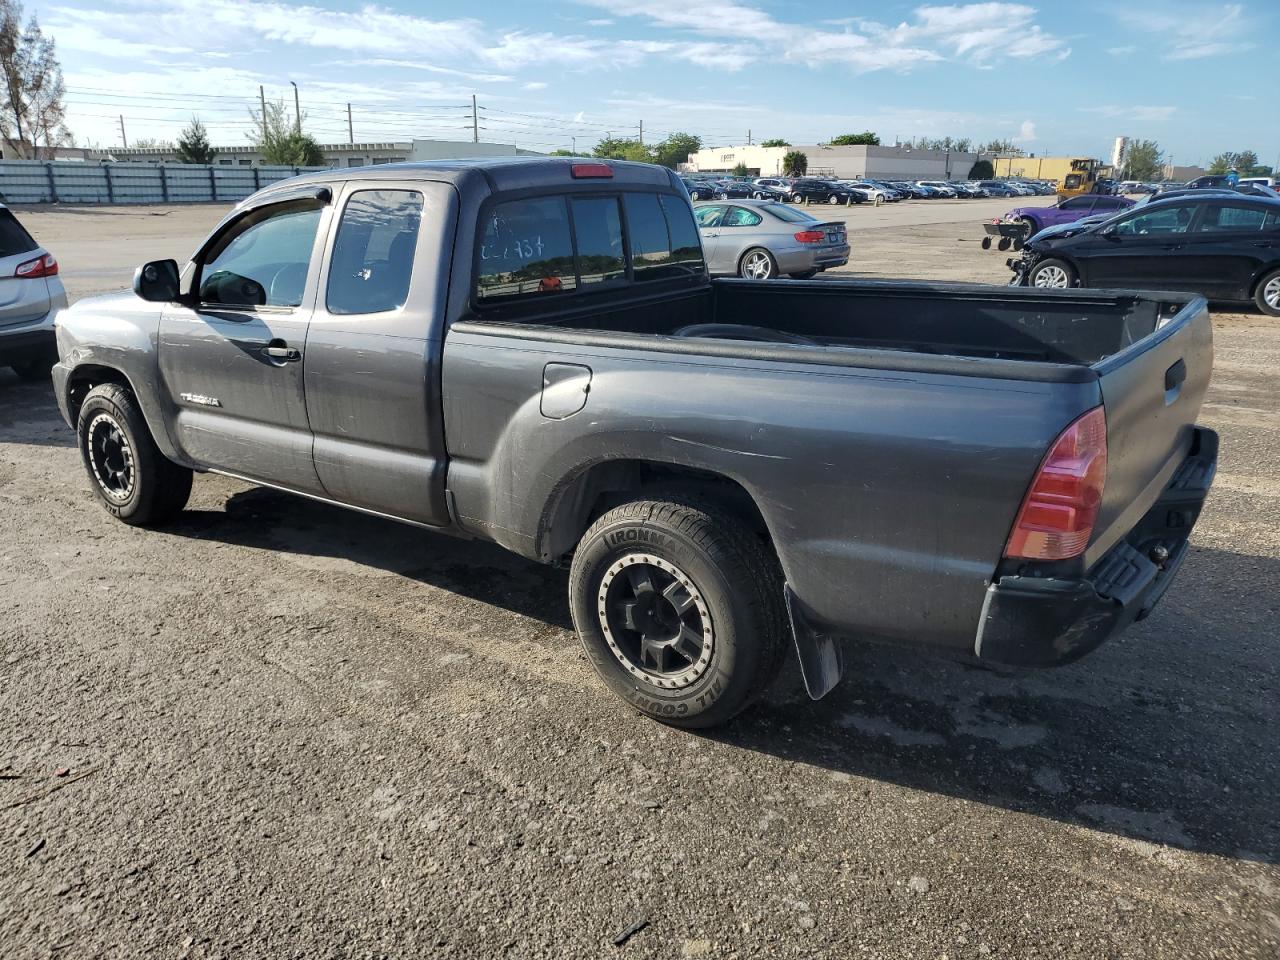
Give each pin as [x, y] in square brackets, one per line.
[789, 214]
[550, 245]
[13, 238]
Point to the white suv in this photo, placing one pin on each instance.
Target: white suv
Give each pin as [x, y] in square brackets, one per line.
[30, 295]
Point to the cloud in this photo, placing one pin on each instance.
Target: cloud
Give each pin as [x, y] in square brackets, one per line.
[1192, 31]
[975, 33]
[1026, 132]
[533, 85]
[1135, 112]
[1121, 51]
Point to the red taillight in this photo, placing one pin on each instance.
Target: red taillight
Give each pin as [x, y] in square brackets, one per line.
[1058, 513]
[44, 266]
[587, 171]
[811, 236]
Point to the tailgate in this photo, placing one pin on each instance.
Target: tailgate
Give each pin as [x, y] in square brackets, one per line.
[1151, 392]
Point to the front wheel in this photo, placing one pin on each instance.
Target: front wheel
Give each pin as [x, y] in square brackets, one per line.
[127, 472]
[679, 608]
[1267, 296]
[758, 264]
[1052, 274]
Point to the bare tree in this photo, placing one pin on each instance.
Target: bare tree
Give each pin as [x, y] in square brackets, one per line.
[32, 114]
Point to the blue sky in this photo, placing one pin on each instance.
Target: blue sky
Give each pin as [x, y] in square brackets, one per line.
[1197, 77]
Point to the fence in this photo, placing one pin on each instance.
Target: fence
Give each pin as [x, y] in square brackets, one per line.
[62, 181]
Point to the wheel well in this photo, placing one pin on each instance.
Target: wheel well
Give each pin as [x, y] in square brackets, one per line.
[604, 486]
[1262, 275]
[85, 378]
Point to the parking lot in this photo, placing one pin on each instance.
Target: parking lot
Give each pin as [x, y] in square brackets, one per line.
[277, 728]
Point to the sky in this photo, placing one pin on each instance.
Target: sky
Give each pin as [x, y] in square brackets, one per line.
[1056, 78]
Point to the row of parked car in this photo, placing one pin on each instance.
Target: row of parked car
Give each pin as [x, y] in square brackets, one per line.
[834, 191]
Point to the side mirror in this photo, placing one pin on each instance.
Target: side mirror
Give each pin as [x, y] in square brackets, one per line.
[157, 281]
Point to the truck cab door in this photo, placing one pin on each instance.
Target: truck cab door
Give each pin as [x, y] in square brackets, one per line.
[232, 364]
[374, 347]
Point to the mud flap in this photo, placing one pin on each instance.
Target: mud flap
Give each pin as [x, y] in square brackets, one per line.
[821, 657]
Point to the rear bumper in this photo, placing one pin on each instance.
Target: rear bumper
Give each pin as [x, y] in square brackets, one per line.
[28, 345]
[1045, 621]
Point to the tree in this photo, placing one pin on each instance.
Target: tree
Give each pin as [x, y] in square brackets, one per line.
[676, 149]
[854, 139]
[280, 140]
[1142, 161]
[741, 170]
[622, 148]
[1244, 163]
[150, 143]
[193, 145]
[32, 114]
[795, 163]
[562, 153]
[776, 142]
[982, 170]
[1005, 148]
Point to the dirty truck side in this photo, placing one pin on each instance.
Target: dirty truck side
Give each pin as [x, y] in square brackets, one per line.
[529, 351]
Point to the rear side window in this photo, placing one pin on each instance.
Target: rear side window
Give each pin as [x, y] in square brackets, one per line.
[526, 249]
[373, 253]
[13, 238]
[686, 245]
[1222, 219]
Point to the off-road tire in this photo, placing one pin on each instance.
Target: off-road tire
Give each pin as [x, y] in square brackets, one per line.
[158, 488]
[739, 583]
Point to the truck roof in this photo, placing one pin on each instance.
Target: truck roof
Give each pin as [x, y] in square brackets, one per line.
[501, 173]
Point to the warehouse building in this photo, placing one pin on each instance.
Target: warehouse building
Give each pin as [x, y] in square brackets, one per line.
[842, 162]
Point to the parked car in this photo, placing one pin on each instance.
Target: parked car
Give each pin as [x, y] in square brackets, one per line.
[940, 188]
[735, 190]
[699, 189]
[875, 193]
[1035, 219]
[812, 190]
[763, 240]
[730, 469]
[1269, 182]
[998, 188]
[31, 293]
[761, 191]
[978, 188]
[1220, 247]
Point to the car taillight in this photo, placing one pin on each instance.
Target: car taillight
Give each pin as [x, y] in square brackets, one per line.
[44, 266]
[811, 236]
[1057, 516]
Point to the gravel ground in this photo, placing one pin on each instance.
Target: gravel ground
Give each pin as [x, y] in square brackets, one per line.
[278, 729]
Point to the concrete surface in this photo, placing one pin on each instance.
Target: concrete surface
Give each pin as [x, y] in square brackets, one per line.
[292, 731]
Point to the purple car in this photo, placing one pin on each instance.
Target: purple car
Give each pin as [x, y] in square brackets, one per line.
[1066, 211]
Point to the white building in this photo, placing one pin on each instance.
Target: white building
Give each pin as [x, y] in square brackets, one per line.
[336, 154]
[845, 163]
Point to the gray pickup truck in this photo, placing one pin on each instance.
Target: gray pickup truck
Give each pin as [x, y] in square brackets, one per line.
[529, 351]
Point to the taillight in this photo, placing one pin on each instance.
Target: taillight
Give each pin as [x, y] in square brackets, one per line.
[811, 236]
[585, 171]
[44, 266]
[1057, 516]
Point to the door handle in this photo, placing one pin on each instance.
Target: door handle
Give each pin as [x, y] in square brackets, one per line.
[278, 351]
[1172, 246]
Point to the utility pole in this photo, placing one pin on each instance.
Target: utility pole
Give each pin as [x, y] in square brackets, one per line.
[642, 133]
[351, 131]
[475, 120]
[575, 145]
[262, 101]
[123, 138]
[297, 110]
[748, 138]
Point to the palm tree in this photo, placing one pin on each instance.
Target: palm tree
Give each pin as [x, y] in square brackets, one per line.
[795, 163]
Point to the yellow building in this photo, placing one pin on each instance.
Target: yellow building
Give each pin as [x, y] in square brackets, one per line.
[1035, 168]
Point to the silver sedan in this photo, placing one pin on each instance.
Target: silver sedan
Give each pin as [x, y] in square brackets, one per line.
[762, 239]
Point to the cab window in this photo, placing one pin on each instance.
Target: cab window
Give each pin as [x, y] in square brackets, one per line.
[263, 259]
[373, 253]
[598, 225]
[526, 249]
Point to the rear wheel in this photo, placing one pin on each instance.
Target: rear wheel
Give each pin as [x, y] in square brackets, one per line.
[757, 264]
[1267, 296]
[1052, 274]
[127, 471]
[679, 608]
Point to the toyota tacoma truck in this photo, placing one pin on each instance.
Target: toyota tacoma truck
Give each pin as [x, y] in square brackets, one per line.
[529, 351]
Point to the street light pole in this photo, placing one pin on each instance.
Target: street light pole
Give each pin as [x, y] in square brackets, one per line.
[297, 110]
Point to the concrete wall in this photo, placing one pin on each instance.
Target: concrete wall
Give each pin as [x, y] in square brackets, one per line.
[60, 181]
[887, 163]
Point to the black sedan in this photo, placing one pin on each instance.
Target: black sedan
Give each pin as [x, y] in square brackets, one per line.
[736, 190]
[700, 189]
[823, 191]
[1222, 247]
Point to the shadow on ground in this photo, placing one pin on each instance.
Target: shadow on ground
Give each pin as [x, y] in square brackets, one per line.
[1165, 735]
